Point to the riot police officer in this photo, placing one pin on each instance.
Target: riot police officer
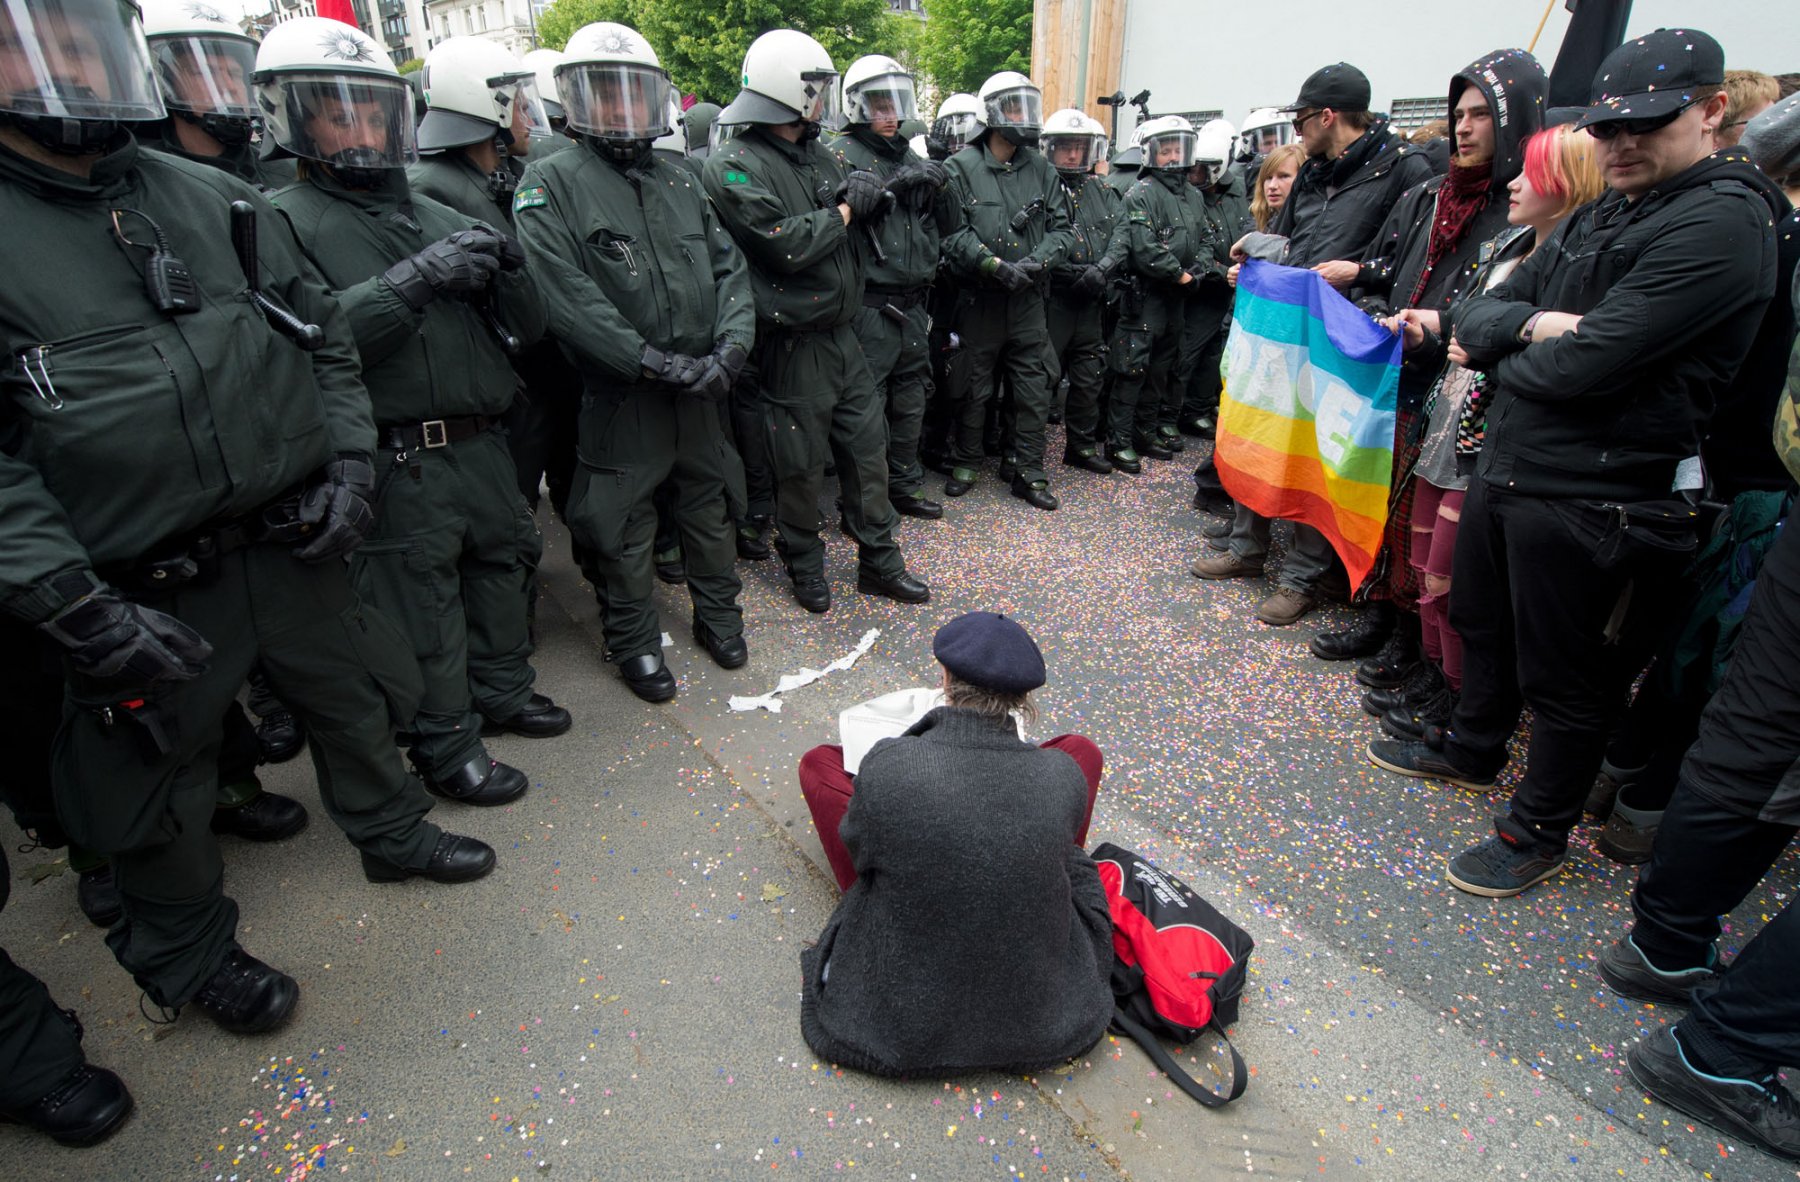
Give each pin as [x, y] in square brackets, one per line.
[203, 65]
[1227, 211]
[892, 325]
[651, 298]
[1079, 284]
[181, 481]
[433, 298]
[1163, 230]
[801, 217]
[543, 63]
[1012, 229]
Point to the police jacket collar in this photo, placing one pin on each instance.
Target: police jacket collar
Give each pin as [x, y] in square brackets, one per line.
[110, 176]
[1021, 156]
[799, 153]
[890, 147]
[394, 193]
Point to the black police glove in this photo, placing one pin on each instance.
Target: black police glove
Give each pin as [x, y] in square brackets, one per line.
[1035, 272]
[109, 637]
[339, 506]
[1093, 280]
[671, 369]
[461, 263]
[1011, 276]
[866, 195]
[719, 370]
[509, 250]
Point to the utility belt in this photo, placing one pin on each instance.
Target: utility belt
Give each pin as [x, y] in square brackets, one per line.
[194, 558]
[904, 300]
[434, 433]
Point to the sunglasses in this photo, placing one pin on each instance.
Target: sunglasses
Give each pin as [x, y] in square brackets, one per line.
[1300, 120]
[1614, 128]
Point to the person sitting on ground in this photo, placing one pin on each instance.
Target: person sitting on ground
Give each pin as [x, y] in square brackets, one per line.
[974, 933]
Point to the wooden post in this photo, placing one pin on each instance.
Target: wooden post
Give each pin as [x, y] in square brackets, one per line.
[1076, 46]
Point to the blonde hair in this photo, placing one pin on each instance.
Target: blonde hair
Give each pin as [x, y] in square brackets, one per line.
[1745, 89]
[1559, 162]
[1272, 164]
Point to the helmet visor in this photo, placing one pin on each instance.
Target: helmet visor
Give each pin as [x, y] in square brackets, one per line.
[887, 100]
[205, 75]
[1021, 107]
[350, 120]
[75, 59]
[616, 100]
[953, 131]
[721, 133]
[1170, 149]
[1069, 152]
[821, 91]
[517, 94]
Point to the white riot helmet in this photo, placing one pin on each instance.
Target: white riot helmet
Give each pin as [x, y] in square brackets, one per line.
[676, 140]
[477, 91]
[615, 90]
[328, 92]
[1102, 142]
[543, 63]
[1265, 129]
[1072, 142]
[203, 66]
[1213, 147]
[1168, 142]
[958, 120]
[788, 78]
[878, 87]
[1013, 106]
[68, 102]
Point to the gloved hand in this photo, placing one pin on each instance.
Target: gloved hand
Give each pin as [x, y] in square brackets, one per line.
[719, 370]
[1035, 272]
[111, 637]
[1093, 280]
[509, 250]
[866, 195]
[1011, 276]
[463, 262]
[339, 505]
[671, 369]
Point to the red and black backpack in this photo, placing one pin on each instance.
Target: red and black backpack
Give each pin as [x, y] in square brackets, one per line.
[1178, 966]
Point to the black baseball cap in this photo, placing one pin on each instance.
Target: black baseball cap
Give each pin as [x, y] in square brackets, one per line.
[1654, 75]
[1342, 87]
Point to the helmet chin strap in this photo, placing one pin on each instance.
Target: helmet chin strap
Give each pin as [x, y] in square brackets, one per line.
[354, 168]
[624, 153]
[65, 137]
[231, 131]
[810, 131]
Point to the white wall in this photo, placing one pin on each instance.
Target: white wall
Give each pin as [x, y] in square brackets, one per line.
[1194, 54]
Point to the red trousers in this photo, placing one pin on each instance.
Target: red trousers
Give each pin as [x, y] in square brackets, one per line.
[828, 788]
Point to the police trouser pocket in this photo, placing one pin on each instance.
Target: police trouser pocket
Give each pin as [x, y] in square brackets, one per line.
[1129, 355]
[397, 576]
[114, 764]
[599, 507]
[377, 643]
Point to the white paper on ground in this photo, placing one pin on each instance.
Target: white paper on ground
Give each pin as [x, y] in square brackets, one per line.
[771, 701]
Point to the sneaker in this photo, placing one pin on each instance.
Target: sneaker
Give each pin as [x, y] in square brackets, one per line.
[1762, 1112]
[1224, 566]
[1285, 607]
[1499, 869]
[1629, 973]
[1425, 762]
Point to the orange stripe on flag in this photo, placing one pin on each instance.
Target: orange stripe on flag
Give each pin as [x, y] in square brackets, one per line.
[1275, 484]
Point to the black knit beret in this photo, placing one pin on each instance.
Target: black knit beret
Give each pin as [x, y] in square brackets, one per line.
[991, 651]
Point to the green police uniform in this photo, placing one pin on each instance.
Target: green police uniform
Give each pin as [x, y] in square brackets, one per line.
[1076, 346]
[132, 440]
[1002, 330]
[634, 258]
[454, 548]
[1227, 219]
[818, 400]
[244, 162]
[893, 324]
[1161, 232]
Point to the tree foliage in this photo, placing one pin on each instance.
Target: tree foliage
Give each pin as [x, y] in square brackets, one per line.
[702, 42]
[965, 41]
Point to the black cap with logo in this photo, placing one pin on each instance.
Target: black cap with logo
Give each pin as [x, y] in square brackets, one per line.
[1342, 87]
[1655, 75]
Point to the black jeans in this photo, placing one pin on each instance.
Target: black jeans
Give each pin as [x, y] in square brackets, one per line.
[1542, 624]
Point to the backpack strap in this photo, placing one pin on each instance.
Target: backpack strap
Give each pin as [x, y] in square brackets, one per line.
[1240, 1071]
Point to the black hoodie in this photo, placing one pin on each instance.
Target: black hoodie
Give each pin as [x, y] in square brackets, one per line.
[1513, 83]
[1671, 289]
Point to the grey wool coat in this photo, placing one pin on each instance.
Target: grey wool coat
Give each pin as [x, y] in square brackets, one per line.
[976, 935]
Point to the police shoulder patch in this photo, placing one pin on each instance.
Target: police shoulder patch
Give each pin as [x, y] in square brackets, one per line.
[735, 176]
[530, 198]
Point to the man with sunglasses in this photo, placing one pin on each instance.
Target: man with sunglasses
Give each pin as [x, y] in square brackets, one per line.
[1605, 350]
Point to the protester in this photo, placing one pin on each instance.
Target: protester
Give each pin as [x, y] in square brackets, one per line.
[1750, 94]
[1273, 180]
[1579, 499]
[973, 934]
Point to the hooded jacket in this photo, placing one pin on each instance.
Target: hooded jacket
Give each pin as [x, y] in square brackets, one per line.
[1336, 207]
[1671, 288]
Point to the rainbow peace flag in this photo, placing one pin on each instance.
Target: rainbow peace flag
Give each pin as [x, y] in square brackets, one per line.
[1306, 421]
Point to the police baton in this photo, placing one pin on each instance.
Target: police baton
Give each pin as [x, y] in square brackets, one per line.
[243, 237]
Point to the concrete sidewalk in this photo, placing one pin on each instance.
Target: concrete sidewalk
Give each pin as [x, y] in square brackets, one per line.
[620, 998]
